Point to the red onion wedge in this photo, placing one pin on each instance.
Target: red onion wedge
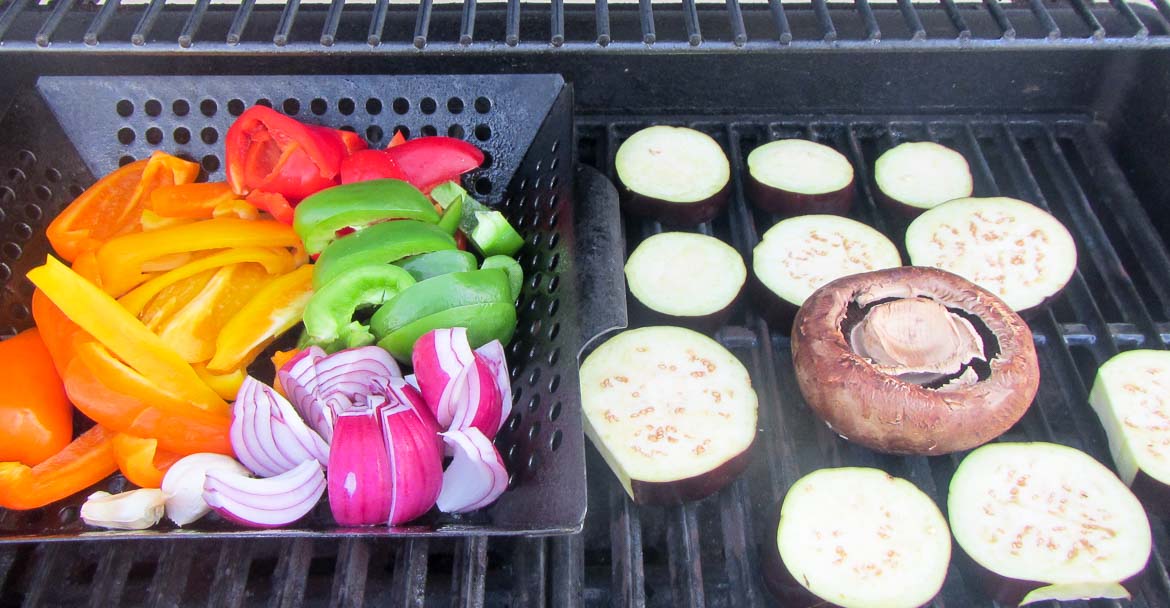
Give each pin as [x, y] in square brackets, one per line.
[416, 462]
[438, 357]
[471, 400]
[265, 503]
[476, 476]
[464, 388]
[359, 470]
[492, 353]
[322, 386]
[268, 435]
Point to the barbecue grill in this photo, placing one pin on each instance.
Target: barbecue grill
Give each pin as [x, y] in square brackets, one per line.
[1059, 102]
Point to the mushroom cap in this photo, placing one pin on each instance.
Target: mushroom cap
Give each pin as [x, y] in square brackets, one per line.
[865, 405]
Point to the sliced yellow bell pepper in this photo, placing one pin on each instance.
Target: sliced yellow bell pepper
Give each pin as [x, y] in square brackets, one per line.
[271, 312]
[116, 328]
[226, 385]
[172, 297]
[153, 221]
[193, 329]
[274, 260]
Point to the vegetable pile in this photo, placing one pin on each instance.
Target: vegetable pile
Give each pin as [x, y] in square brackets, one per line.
[174, 289]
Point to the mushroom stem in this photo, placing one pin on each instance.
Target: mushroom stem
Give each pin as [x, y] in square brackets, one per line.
[916, 339]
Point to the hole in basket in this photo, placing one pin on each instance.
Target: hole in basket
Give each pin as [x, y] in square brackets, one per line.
[428, 131]
[511, 480]
[555, 146]
[154, 136]
[43, 193]
[536, 168]
[404, 130]
[22, 231]
[181, 136]
[374, 134]
[125, 136]
[124, 160]
[11, 250]
[209, 135]
[554, 442]
[510, 455]
[32, 211]
[291, 106]
[534, 430]
[210, 163]
[208, 107]
[487, 160]
[401, 106]
[534, 403]
[483, 105]
[553, 283]
[67, 515]
[555, 383]
[5, 272]
[483, 186]
[552, 220]
[427, 105]
[533, 462]
[554, 356]
[318, 106]
[553, 307]
[483, 132]
[26, 159]
[535, 375]
[264, 101]
[19, 311]
[517, 391]
[536, 184]
[124, 108]
[554, 412]
[345, 105]
[553, 167]
[52, 175]
[455, 105]
[552, 334]
[235, 107]
[16, 176]
[75, 190]
[455, 131]
[347, 128]
[7, 195]
[180, 107]
[553, 261]
[373, 106]
[514, 422]
[152, 107]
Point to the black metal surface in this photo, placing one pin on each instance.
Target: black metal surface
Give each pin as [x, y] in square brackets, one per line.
[70, 129]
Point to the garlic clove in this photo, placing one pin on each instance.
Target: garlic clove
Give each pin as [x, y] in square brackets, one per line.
[133, 510]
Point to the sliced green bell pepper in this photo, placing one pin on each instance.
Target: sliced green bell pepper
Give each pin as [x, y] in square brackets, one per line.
[512, 268]
[484, 323]
[382, 243]
[487, 229]
[329, 315]
[451, 216]
[435, 263]
[356, 206]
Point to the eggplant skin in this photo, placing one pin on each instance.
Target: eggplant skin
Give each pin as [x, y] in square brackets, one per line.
[896, 206]
[683, 215]
[1011, 591]
[679, 491]
[789, 204]
[778, 312]
[706, 324]
[1153, 494]
[886, 414]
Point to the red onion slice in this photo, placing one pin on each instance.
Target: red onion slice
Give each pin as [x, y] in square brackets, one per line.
[265, 503]
[322, 386]
[416, 462]
[493, 354]
[268, 434]
[476, 476]
[438, 357]
[472, 400]
[359, 470]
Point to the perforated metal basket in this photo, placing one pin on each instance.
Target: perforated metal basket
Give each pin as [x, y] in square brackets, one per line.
[65, 131]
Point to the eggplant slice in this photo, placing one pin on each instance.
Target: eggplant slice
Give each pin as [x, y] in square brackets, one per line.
[798, 177]
[1010, 247]
[1046, 521]
[913, 361]
[858, 538]
[676, 175]
[685, 275]
[916, 176]
[671, 411]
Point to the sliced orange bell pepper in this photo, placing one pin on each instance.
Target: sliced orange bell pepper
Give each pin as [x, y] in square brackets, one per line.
[114, 204]
[121, 399]
[104, 319]
[140, 460]
[86, 265]
[123, 260]
[193, 329]
[271, 312]
[36, 420]
[195, 201]
[236, 208]
[279, 358]
[84, 462]
[226, 385]
[172, 297]
[274, 260]
[59, 334]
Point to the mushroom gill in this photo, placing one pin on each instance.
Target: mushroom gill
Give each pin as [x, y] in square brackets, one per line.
[917, 339]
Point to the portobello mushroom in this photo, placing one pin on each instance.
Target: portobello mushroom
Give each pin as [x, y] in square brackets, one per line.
[676, 175]
[1012, 248]
[799, 177]
[671, 411]
[857, 538]
[1131, 396]
[686, 278]
[799, 255]
[1045, 521]
[916, 176]
[913, 361]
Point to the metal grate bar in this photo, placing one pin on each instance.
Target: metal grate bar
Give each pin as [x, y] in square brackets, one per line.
[170, 574]
[861, 169]
[601, 10]
[685, 564]
[350, 573]
[625, 538]
[291, 574]
[9, 16]
[470, 571]
[44, 559]
[240, 21]
[100, 22]
[873, 33]
[1001, 19]
[422, 24]
[1045, 18]
[828, 30]
[333, 19]
[957, 20]
[467, 23]
[512, 35]
[913, 21]
[60, 9]
[194, 20]
[1123, 7]
[557, 22]
[735, 18]
[737, 555]
[568, 571]
[288, 17]
[231, 574]
[780, 17]
[530, 567]
[7, 559]
[378, 22]
[142, 30]
[646, 14]
[1086, 14]
[691, 18]
[410, 574]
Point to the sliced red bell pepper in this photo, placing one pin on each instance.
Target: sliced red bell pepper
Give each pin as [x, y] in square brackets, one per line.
[271, 152]
[365, 165]
[430, 161]
[275, 204]
[353, 142]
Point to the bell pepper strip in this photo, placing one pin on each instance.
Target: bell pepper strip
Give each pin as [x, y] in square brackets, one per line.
[172, 298]
[427, 265]
[279, 359]
[192, 330]
[236, 208]
[329, 316]
[275, 204]
[116, 328]
[140, 460]
[488, 229]
[226, 385]
[58, 332]
[272, 311]
[352, 141]
[86, 265]
[356, 206]
[269, 151]
[274, 260]
[383, 243]
[115, 396]
[397, 140]
[114, 204]
[484, 322]
[195, 201]
[36, 419]
[430, 161]
[451, 217]
[365, 165]
[510, 267]
[84, 462]
[122, 260]
[153, 221]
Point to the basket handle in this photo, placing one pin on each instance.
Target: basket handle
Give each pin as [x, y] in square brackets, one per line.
[599, 261]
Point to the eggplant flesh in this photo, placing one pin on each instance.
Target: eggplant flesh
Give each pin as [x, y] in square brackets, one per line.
[676, 175]
[681, 274]
[1046, 519]
[858, 538]
[1009, 247]
[671, 411]
[916, 176]
[796, 177]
